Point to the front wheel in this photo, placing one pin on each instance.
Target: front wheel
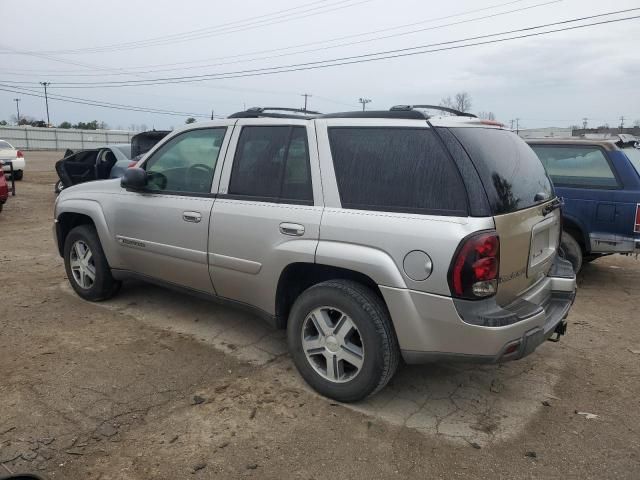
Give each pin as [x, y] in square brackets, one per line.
[342, 341]
[18, 174]
[570, 250]
[86, 265]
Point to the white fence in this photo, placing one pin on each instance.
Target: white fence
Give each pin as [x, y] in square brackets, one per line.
[35, 138]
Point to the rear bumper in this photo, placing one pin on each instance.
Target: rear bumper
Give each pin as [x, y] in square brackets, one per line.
[18, 164]
[432, 327]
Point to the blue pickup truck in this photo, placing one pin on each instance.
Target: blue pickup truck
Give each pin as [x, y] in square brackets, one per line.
[599, 182]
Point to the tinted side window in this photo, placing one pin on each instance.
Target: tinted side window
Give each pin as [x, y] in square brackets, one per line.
[186, 163]
[512, 174]
[272, 164]
[396, 169]
[580, 166]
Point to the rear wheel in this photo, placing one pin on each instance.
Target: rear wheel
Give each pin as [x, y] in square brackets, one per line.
[59, 186]
[342, 341]
[570, 250]
[86, 265]
[18, 174]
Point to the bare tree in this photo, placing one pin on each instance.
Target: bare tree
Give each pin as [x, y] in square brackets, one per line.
[487, 115]
[461, 102]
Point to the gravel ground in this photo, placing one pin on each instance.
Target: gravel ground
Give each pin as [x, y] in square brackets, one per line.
[156, 385]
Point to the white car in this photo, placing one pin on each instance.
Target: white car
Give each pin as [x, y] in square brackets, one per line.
[10, 154]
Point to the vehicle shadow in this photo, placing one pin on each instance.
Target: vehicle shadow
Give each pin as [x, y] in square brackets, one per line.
[462, 402]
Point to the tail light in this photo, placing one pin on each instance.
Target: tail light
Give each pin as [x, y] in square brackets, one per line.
[637, 225]
[19, 154]
[474, 271]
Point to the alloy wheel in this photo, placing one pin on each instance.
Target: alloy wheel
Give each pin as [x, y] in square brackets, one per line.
[332, 344]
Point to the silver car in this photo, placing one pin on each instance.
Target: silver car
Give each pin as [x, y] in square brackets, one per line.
[369, 236]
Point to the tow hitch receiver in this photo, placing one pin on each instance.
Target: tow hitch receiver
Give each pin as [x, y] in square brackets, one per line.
[560, 330]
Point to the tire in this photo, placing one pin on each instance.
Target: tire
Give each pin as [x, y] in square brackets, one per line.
[18, 174]
[362, 325]
[570, 250]
[103, 286]
[59, 186]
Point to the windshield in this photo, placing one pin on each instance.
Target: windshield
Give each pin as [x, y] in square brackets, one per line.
[633, 154]
[5, 146]
[511, 172]
[125, 149]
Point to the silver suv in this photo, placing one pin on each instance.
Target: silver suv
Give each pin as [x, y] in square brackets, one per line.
[369, 236]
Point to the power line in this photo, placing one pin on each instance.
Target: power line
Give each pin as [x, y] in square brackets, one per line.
[216, 31]
[132, 71]
[376, 56]
[81, 101]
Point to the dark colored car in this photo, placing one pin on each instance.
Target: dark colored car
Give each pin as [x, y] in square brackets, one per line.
[100, 163]
[599, 181]
[145, 141]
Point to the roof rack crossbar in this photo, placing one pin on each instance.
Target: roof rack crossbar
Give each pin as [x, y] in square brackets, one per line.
[453, 111]
[257, 112]
[282, 109]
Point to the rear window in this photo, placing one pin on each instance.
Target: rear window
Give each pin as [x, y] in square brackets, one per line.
[633, 154]
[512, 174]
[5, 146]
[396, 170]
[577, 166]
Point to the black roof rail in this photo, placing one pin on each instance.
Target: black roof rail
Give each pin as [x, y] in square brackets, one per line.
[258, 112]
[457, 113]
[387, 114]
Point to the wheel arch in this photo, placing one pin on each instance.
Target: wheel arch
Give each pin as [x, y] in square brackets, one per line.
[295, 278]
[72, 213]
[576, 229]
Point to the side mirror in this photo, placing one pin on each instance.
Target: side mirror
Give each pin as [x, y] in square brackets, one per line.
[134, 179]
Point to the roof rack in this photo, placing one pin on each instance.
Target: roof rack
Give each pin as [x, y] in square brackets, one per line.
[457, 113]
[392, 114]
[258, 112]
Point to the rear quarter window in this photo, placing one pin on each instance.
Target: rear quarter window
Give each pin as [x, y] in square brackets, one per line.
[577, 165]
[511, 173]
[396, 169]
[633, 154]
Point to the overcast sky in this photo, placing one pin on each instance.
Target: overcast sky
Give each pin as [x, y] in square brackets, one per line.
[551, 80]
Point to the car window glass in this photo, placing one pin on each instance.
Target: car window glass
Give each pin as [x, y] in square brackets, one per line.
[511, 173]
[272, 164]
[581, 166]
[186, 163]
[396, 169]
[296, 184]
[5, 146]
[633, 154]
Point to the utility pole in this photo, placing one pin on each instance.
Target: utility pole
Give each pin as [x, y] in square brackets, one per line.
[212, 114]
[517, 126]
[46, 99]
[364, 102]
[621, 122]
[511, 121]
[306, 96]
[17, 100]
[584, 123]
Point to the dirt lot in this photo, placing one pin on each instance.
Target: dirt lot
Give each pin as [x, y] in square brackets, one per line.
[156, 385]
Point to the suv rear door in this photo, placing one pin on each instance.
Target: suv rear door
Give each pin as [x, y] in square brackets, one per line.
[521, 197]
[268, 212]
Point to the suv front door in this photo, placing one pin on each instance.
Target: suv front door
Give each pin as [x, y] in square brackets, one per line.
[267, 214]
[162, 231]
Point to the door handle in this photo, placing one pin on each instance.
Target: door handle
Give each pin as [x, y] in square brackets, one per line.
[192, 217]
[292, 229]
